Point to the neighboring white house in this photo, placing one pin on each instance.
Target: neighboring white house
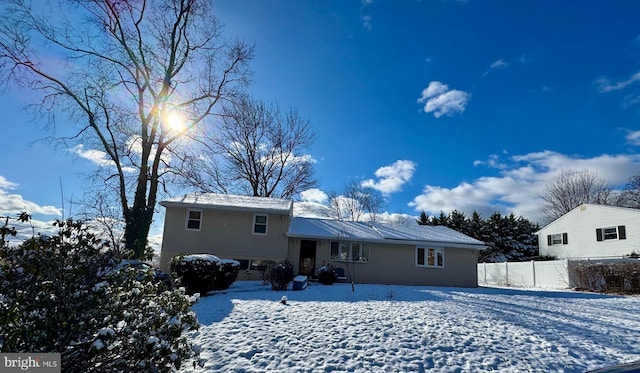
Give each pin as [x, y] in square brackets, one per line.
[592, 231]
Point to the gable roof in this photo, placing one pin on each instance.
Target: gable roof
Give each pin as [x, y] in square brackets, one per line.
[231, 202]
[313, 228]
[591, 206]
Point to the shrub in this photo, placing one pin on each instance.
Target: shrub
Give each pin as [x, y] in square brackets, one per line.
[264, 266]
[327, 275]
[202, 273]
[622, 277]
[281, 275]
[53, 301]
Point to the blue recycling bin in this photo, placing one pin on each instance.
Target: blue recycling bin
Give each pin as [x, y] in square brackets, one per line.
[300, 282]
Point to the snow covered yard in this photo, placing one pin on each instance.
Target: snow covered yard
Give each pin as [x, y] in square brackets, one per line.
[382, 328]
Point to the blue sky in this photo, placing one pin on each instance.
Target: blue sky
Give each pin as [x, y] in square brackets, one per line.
[440, 105]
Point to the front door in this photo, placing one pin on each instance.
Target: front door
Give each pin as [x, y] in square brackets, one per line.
[307, 257]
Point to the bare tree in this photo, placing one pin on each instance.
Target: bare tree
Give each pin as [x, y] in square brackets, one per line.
[102, 215]
[630, 196]
[118, 70]
[573, 188]
[257, 150]
[355, 201]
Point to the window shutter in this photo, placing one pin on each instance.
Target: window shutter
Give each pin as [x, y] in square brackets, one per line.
[599, 234]
[549, 241]
[622, 232]
[565, 238]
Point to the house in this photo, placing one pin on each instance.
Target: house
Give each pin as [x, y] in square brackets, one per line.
[253, 229]
[592, 231]
[231, 227]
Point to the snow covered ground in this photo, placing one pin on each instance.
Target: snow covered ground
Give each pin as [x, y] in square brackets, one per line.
[381, 328]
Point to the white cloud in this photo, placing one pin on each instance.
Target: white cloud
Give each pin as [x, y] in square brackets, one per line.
[499, 64]
[391, 178]
[366, 18]
[314, 195]
[633, 138]
[275, 155]
[630, 100]
[101, 158]
[493, 162]
[607, 86]
[440, 100]
[521, 180]
[6, 184]
[94, 156]
[366, 21]
[12, 204]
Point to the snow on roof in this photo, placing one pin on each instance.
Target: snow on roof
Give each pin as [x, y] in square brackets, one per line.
[325, 228]
[200, 257]
[231, 202]
[306, 209]
[438, 233]
[376, 232]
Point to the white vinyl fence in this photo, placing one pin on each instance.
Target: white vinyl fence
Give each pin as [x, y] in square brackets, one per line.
[553, 274]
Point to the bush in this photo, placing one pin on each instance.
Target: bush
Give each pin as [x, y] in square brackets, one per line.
[52, 300]
[202, 273]
[281, 275]
[327, 275]
[264, 266]
[621, 278]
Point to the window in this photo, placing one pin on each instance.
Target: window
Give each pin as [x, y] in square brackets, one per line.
[430, 257]
[249, 264]
[260, 224]
[557, 239]
[611, 233]
[194, 220]
[244, 264]
[350, 251]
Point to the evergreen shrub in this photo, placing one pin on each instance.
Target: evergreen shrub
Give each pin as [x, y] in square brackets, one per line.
[202, 273]
[327, 275]
[52, 299]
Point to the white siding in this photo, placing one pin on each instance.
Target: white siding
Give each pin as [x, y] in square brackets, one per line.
[580, 225]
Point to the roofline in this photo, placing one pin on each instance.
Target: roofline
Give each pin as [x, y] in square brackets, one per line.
[287, 211]
[458, 245]
[597, 205]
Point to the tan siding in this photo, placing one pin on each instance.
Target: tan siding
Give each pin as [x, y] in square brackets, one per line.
[395, 264]
[226, 234]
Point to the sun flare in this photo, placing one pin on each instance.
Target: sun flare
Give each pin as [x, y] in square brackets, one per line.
[175, 122]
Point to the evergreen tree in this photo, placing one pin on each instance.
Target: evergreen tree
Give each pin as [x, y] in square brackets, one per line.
[424, 218]
[507, 237]
[443, 219]
[458, 221]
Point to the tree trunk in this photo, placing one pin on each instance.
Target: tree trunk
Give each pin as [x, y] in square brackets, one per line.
[138, 221]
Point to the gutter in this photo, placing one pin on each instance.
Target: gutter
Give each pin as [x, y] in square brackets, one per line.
[456, 245]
